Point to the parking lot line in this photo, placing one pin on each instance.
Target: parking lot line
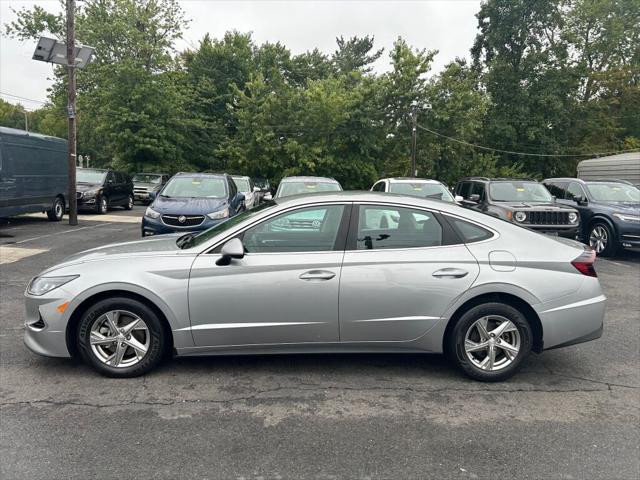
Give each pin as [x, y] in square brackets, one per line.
[101, 218]
[61, 233]
[13, 254]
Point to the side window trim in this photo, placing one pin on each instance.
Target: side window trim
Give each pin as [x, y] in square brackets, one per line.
[447, 217]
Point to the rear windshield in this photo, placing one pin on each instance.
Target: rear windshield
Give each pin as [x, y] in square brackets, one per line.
[299, 188]
[90, 176]
[422, 189]
[519, 192]
[614, 192]
[203, 187]
[146, 178]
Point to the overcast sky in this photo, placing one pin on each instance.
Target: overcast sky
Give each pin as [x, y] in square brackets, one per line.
[446, 25]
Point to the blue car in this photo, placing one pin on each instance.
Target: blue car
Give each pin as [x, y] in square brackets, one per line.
[609, 211]
[192, 202]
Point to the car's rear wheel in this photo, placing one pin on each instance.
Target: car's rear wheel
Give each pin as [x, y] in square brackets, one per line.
[490, 342]
[601, 239]
[121, 337]
[129, 204]
[56, 212]
[102, 205]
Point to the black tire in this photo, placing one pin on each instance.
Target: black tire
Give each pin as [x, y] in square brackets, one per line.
[602, 228]
[455, 343]
[157, 337]
[56, 213]
[102, 205]
[129, 204]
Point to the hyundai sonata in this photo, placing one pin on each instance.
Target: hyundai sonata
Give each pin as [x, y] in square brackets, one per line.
[333, 272]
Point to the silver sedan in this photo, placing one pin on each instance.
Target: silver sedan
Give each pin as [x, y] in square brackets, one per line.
[336, 272]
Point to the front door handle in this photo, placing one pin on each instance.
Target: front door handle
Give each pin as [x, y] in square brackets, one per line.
[317, 275]
[450, 273]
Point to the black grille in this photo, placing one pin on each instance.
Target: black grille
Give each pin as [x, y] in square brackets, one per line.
[188, 220]
[548, 218]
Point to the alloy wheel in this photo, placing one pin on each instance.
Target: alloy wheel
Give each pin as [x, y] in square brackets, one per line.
[599, 238]
[492, 343]
[119, 338]
[58, 209]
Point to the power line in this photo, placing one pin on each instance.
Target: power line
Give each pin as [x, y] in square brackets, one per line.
[474, 145]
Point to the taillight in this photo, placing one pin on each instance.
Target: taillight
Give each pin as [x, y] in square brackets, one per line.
[584, 263]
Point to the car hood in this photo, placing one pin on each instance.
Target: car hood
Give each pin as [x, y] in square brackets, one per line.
[621, 207]
[163, 244]
[537, 206]
[188, 206]
[84, 187]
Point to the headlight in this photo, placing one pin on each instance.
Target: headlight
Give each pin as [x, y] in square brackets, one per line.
[520, 217]
[91, 193]
[219, 214]
[41, 285]
[573, 217]
[151, 213]
[627, 218]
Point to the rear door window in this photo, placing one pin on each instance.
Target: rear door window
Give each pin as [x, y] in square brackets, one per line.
[384, 227]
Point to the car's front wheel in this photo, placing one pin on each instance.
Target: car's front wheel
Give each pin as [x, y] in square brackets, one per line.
[121, 337]
[102, 205]
[490, 341]
[601, 239]
[129, 204]
[56, 212]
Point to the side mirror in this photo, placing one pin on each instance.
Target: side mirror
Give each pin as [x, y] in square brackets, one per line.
[267, 196]
[458, 199]
[230, 250]
[256, 189]
[582, 201]
[153, 195]
[474, 197]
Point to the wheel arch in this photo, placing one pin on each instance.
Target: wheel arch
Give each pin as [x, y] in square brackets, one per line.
[600, 218]
[80, 309]
[499, 297]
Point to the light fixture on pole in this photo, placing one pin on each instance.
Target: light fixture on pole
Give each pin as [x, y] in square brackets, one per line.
[71, 56]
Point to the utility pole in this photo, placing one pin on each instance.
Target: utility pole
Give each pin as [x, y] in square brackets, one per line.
[71, 109]
[414, 133]
[26, 120]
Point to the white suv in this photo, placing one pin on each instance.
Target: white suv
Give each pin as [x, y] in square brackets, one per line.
[415, 187]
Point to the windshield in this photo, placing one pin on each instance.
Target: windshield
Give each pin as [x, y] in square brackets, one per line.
[90, 176]
[227, 224]
[287, 189]
[614, 192]
[147, 178]
[242, 184]
[519, 192]
[203, 187]
[423, 190]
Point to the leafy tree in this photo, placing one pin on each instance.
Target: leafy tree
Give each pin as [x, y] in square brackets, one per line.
[355, 54]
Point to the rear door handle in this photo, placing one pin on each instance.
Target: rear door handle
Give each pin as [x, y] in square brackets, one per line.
[450, 273]
[317, 275]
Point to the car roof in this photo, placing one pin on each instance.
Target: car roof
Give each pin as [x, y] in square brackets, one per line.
[241, 176]
[580, 180]
[411, 180]
[308, 179]
[200, 174]
[149, 173]
[497, 179]
[368, 196]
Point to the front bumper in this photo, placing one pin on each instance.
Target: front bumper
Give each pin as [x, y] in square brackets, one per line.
[628, 234]
[570, 231]
[45, 326]
[152, 226]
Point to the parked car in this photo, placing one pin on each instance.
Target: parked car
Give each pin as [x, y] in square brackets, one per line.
[34, 174]
[524, 202]
[248, 189]
[443, 279]
[415, 187]
[101, 190]
[192, 202]
[609, 211]
[306, 185]
[265, 189]
[146, 183]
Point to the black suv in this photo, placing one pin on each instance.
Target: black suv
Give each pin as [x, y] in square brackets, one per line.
[609, 211]
[101, 189]
[521, 201]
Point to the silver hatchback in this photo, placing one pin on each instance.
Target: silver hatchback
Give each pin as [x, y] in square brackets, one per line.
[336, 272]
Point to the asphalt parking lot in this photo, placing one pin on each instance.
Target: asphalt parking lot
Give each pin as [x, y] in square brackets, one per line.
[571, 413]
